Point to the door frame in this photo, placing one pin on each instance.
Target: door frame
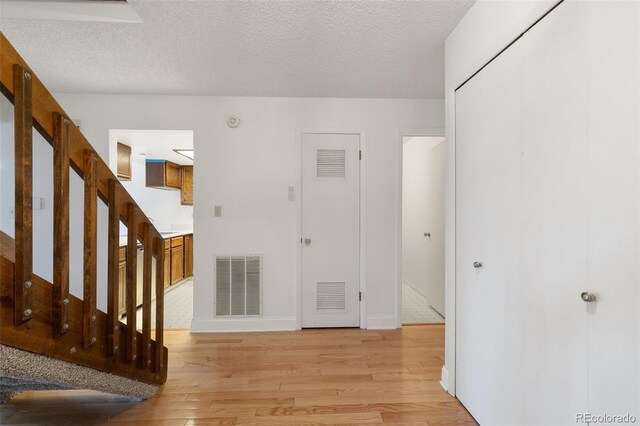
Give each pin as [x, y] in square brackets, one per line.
[435, 132]
[361, 231]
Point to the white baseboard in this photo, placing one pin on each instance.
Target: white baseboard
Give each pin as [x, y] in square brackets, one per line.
[221, 325]
[444, 378]
[382, 322]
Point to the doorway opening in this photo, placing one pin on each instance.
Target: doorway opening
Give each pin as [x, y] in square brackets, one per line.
[156, 168]
[422, 235]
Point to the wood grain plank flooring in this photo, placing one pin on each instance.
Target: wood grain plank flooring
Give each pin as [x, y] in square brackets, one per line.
[310, 377]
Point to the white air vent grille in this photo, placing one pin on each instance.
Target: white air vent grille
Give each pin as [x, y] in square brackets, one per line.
[330, 296]
[331, 163]
[238, 285]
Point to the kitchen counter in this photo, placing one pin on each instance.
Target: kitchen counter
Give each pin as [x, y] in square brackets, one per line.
[166, 235]
[178, 264]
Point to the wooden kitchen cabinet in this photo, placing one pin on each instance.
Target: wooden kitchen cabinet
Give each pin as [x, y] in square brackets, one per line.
[122, 280]
[177, 259]
[167, 263]
[188, 255]
[163, 174]
[124, 162]
[186, 190]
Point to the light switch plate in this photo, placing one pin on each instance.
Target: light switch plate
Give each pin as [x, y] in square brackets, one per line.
[37, 203]
[217, 211]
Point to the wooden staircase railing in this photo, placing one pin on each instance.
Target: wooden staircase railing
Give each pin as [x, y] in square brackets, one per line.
[44, 317]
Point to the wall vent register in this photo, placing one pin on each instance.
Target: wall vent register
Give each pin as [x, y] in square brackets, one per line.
[238, 285]
[331, 297]
[331, 163]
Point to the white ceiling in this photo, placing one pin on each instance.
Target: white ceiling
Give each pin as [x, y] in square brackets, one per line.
[302, 48]
[155, 144]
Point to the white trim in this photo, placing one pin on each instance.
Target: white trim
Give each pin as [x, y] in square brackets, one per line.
[444, 378]
[382, 322]
[362, 190]
[222, 325]
[430, 132]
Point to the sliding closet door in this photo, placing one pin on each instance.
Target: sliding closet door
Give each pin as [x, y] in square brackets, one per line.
[470, 237]
[614, 188]
[548, 199]
[489, 242]
[555, 220]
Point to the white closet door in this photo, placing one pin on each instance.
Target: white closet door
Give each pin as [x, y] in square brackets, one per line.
[470, 236]
[548, 198]
[489, 231]
[555, 178]
[614, 188]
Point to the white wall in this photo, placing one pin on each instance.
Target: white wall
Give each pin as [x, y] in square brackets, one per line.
[423, 211]
[486, 29]
[248, 171]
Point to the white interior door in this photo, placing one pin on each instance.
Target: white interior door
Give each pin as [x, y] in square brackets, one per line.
[489, 242]
[613, 203]
[330, 230]
[548, 198]
[470, 245]
[434, 258]
[555, 219]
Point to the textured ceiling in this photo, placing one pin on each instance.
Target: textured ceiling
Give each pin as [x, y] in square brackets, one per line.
[268, 48]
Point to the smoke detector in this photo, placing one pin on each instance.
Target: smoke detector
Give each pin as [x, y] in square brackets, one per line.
[233, 121]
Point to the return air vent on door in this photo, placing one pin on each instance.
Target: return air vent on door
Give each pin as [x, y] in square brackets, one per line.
[331, 163]
[330, 297]
[238, 285]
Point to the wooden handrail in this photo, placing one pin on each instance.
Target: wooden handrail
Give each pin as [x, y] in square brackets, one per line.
[77, 330]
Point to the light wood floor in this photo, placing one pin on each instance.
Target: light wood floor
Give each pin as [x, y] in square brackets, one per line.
[339, 376]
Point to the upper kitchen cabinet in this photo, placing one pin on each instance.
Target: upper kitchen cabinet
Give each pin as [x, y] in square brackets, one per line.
[124, 162]
[186, 191]
[163, 174]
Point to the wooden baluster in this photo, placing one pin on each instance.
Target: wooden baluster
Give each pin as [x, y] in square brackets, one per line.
[146, 297]
[159, 351]
[60, 224]
[22, 303]
[131, 353]
[113, 335]
[90, 161]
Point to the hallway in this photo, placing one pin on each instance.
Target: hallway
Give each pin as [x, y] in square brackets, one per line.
[337, 376]
[416, 308]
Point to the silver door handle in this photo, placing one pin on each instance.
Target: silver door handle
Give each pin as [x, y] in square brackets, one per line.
[588, 297]
[477, 265]
[307, 241]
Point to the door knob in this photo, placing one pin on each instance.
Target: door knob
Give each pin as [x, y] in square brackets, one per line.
[477, 265]
[307, 241]
[588, 297]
